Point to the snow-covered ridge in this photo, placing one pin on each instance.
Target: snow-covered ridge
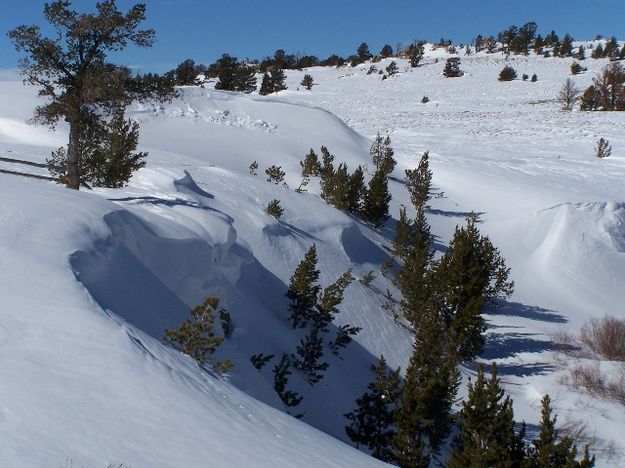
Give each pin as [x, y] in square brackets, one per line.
[91, 279]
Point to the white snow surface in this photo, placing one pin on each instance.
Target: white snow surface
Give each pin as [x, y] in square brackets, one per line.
[91, 279]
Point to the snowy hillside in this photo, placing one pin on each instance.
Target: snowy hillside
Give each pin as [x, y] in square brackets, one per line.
[90, 280]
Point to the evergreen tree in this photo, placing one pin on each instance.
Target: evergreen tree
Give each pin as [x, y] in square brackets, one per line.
[225, 69]
[423, 418]
[329, 300]
[307, 82]
[254, 168]
[186, 73]
[414, 279]
[403, 234]
[304, 289]
[419, 182]
[327, 174]
[281, 374]
[275, 174]
[277, 79]
[469, 273]
[566, 46]
[195, 337]
[603, 148]
[309, 353]
[274, 209]
[387, 51]
[107, 157]
[363, 52]
[356, 191]
[550, 450]
[372, 424]
[487, 434]
[611, 48]
[538, 45]
[507, 74]
[71, 66]
[244, 78]
[598, 52]
[415, 53]
[590, 99]
[452, 68]
[581, 55]
[377, 199]
[310, 168]
[343, 337]
[266, 86]
[382, 153]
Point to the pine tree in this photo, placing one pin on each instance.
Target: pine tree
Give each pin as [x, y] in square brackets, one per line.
[195, 337]
[403, 234]
[598, 52]
[307, 82]
[266, 86]
[254, 168]
[277, 79]
[432, 379]
[470, 273]
[371, 424]
[343, 337]
[382, 153]
[414, 279]
[186, 73]
[611, 48]
[304, 289]
[281, 374]
[507, 74]
[225, 69]
[107, 157]
[566, 46]
[590, 99]
[487, 428]
[275, 174]
[416, 53]
[74, 73]
[387, 51]
[581, 55]
[377, 199]
[603, 148]
[327, 174]
[330, 299]
[452, 68]
[244, 78]
[550, 450]
[419, 182]
[309, 353]
[274, 209]
[363, 52]
[310, 168]
[356, 191]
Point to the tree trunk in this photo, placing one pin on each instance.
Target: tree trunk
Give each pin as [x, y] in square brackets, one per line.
[73, 157]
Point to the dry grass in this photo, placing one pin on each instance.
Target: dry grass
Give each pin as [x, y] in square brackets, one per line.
[605, 337]
[599, 341]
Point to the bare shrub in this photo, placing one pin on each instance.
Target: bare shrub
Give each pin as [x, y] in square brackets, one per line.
[605, 337]
[593, 380]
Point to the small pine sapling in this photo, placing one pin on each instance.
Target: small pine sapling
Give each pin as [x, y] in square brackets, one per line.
[274, 209]
[307, 82]
[507, 74]
[275, 174]
[367, 278]
[254, 168]
[603, 148]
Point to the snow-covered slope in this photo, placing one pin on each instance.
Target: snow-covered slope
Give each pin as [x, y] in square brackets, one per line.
[91, 279]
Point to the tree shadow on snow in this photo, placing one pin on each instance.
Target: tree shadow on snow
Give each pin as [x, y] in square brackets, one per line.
[516, 309]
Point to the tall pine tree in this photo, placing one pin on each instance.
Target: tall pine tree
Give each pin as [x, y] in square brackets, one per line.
[371, 424]
[487, 428]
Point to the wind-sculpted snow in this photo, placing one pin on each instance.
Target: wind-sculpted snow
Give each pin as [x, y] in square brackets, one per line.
[90, 280]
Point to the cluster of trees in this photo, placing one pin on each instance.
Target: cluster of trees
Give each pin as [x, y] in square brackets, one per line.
[487, 431]
[519, 40]
[607, 93]
[348, 191]
[88, 91]
[312, 310]
[611, 50]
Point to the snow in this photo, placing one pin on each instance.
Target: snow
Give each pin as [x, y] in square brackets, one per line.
[91, 279]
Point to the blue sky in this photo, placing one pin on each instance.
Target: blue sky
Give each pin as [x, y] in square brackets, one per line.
[204, 29]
